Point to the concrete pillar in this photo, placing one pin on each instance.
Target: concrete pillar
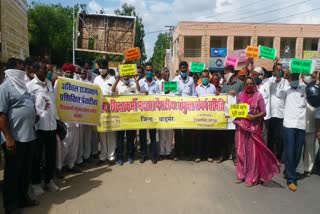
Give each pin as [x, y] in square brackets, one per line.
[254, 41]
[299, 47]
[205, 48]
[276, 45]
[230, 44]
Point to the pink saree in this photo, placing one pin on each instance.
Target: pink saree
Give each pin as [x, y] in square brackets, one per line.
[254, 161]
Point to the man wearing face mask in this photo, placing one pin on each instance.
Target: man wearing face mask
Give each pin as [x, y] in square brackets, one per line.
[107, 139]
[186, 88]
[148, 85]
[125, 86]
[294, 122]
[263, 85]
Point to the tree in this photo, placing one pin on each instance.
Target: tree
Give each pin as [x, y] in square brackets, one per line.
[159, 50]
[129, 10]
[50, 31]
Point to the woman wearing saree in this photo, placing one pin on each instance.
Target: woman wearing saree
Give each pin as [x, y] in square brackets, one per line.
[255, 162]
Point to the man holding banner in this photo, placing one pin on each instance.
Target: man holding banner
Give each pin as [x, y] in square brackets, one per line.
[107, 139]
[148, 85]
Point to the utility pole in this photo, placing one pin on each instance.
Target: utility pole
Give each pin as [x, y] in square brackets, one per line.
[171, 29]
[73, 36]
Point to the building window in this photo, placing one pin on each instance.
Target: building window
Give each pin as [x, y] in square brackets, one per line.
[192, 46]
[218, 41]
[310, 44]
[265, 41]
[241, 42]
[288, 47]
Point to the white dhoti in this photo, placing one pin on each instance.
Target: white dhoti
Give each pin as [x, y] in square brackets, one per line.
[166, 141]
[94, 142]
[69, 150]
[84, 150]
[107, 146]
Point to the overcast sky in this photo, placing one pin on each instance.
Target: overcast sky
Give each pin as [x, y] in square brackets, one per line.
[158, 13]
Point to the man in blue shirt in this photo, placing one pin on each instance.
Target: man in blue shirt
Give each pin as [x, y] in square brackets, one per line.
[17, 124]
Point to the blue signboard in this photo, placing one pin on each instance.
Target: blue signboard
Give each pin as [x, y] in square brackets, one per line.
[216, 63]
[218, 52]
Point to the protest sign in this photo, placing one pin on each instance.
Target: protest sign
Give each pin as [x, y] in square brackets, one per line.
[241, 54]
[216, 63]
[285, 62]
[170, 85]
[132, 54]
[197, 67]
[231, 60]
[239, 110]
[252, 51]
[303, 66]
[218, 52]
[266, 52]
[78, 102]
[164, 112]
[127, 70]
[310, 54]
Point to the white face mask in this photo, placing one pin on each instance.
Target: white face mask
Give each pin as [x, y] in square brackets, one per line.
[126, 82]
[307, 79]
[103, 71]
[228, 76]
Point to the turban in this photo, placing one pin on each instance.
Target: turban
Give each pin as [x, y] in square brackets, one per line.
[68, 67]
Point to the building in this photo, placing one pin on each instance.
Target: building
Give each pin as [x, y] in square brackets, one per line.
[193, 41]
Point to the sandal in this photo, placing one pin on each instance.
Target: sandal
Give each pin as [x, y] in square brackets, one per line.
[248, 185]
[238, 181]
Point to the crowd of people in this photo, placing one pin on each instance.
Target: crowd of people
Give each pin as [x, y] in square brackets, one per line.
[281, 126]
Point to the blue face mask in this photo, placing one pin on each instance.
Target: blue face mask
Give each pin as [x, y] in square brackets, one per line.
[257, 80]
[49, 75]
[149, 74]
[294, 84]
[205, 80]
[183, 74]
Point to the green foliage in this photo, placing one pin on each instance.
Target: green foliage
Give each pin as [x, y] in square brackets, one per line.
[159, 51]
[129, 10]
[50, 31]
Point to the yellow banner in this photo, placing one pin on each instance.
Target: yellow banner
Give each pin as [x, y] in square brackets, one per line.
[162, 111]
[310, 54]
[78, 101]
[127, 70]
[239, 110]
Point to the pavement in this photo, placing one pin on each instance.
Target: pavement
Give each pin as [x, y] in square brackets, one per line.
[174, 187]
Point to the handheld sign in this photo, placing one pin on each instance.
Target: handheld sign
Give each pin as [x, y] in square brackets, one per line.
[302, 66]
[239, 110]
[266, 52]
[196, 67]
[231, 60]
[127, 70]
[218, 52]
[170, 85]
[216, 63]
[252, 51]
[241, 54]
[132, 54]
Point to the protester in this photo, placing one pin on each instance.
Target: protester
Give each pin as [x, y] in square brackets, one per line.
[183, 137]
[165, 135]
[148, 85]
[255, 162]
[294, 122]
[242, 75]
[107, 139]
[17, 122]
[201, 147]
[42, 91]
[125, 86]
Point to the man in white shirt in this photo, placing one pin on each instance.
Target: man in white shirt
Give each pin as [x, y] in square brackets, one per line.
[107, 139]
[294, 122]
[41, 90]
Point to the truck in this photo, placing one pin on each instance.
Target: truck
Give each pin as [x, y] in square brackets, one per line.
[13, 31]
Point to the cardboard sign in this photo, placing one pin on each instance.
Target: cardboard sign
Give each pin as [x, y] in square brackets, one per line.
[316, 64]
[132, 54]
[241, 54]
[196, 67]
[239, 110]
[266, 52]
[216, 63]
[310, 54]
[170, 85]
[302, 66]
[127, 70]
[218, 52]
[285, 62]
[252, 51]
[231, 60]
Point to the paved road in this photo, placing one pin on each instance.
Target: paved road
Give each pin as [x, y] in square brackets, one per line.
[175, 187]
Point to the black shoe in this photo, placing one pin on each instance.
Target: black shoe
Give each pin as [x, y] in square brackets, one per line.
[95, 156]
[100, 162]
[189, 158]
[169, 157]
[29, 203]
[74, 169]
[111, 162]
[142, 159]
[60, 174]
[162, 157]
[154, 161]
[12, 211]
[89, 160]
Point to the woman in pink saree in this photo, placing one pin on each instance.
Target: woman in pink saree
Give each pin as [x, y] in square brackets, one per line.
[255, 162]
